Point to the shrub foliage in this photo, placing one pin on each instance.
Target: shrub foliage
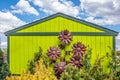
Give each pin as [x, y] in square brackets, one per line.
[40, 73]
[4, 67]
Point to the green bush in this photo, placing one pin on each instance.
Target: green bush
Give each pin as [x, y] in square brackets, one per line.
[4, 67]
[71, 73]
[4, 71]
[32, 63]
[95, 71]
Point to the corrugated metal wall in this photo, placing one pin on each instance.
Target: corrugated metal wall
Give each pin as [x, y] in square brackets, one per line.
[22, 48]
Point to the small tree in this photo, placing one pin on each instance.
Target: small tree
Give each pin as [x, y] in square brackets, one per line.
[4, 68]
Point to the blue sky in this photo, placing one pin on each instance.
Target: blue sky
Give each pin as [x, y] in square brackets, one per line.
[14, 13]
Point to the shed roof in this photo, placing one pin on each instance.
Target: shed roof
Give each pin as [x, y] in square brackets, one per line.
[114, 33]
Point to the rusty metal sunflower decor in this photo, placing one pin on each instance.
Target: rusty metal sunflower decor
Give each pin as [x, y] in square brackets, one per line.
[79, 48]
[59, 68]
[54, 53]
[65, 37]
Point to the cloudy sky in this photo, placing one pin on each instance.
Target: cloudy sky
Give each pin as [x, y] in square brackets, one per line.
[14, 13]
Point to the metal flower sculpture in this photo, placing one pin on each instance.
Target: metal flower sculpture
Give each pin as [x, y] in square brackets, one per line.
[76, 63]
[65, 37]
[77, 57]
[59, 68]
[79, 48]
[53, 53]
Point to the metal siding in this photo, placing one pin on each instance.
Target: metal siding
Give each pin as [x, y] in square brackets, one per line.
[59, 23]
[22, 48]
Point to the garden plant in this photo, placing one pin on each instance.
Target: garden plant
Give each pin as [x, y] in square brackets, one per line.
[4, 68]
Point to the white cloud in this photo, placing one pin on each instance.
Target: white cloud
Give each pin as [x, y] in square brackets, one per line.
[118, 37]
[108, 9]
[53, 6]
[23, 6]
[118, 42]
[3, 44]
[9, 21]
[99, 21]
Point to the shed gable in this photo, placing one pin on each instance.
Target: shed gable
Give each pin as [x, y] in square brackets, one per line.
[53, 24]
[60, 23]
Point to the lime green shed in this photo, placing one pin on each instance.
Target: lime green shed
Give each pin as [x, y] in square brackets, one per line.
[24, 41]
